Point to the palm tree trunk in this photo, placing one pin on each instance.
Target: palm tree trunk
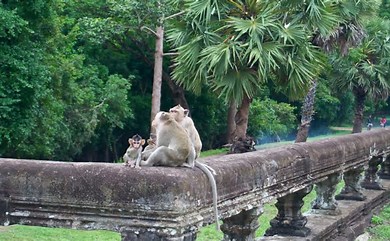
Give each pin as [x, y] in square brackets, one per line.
[360, 97]
[307, 114]
[231, 124]
[241, 142]
[241, 118]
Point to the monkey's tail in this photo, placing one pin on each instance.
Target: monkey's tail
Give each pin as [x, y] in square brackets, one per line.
[211, 178]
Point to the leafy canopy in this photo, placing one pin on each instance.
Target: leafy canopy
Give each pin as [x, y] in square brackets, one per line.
[236, 46]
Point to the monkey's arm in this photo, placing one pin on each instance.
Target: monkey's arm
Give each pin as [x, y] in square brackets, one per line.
[126, 159]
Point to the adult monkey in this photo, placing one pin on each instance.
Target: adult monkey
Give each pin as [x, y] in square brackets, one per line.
[181, 116]
[174, 148]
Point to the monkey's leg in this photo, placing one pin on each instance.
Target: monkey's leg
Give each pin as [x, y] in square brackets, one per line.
[213, 184]
[146, 153]
[126, 159]
[165, 156]
[190, 162]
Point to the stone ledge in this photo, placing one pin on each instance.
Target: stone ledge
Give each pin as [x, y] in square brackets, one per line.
[111, 196]
[355, 217]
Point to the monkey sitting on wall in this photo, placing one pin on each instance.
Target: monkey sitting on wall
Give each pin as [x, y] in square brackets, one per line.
[132, 157]
[151, 142]
[181, 116]
[150, 147]
[173, 145]
[175, 148]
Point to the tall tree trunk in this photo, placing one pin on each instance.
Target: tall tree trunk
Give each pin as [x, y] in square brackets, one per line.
[241, 118]
[241, 142]
[177, 91]
[231, 126]
[360, 97]
[307, 113]
[157, 77]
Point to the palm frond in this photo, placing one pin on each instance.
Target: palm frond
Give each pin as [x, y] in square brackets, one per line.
[236, 84]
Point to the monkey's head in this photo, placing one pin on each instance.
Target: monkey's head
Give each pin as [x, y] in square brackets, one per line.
[152, 139]
[178, 112]
[161, 118]
[136, 141]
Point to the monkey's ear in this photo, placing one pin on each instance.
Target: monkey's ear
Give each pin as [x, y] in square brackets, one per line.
[142, 142]
[186, 111]
[130, 141]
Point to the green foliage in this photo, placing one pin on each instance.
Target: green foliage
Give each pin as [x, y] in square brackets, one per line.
[52, 101]
[209, 115]
[75, 75]
[208, 233]
[366, 67]
[270, 118]
[381, 229]
[327, 105]
[384, 9]
[235, 47]
[347, 106]
[376, 220]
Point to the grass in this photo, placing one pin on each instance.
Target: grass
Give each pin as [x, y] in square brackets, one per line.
[31, 233]
[380, 231]
[380, 225]
[214, 152]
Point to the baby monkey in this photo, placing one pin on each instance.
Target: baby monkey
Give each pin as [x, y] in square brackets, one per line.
[151, 142]
[132, 157]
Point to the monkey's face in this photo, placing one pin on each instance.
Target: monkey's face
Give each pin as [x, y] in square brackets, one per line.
[151, 141]
[136, 144]
[178, 112]
[136, 141]
[161, 117]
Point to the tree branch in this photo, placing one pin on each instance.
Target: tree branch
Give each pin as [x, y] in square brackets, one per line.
[150, 30]
[174, 15]
[170, 54]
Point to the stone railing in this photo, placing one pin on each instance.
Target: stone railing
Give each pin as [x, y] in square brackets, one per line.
[162, 203]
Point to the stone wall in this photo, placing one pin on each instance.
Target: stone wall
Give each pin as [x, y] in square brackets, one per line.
[162, 203]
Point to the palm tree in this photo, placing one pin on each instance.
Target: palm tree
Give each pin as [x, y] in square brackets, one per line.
[365, 70]
[234, 47]
[346, 33]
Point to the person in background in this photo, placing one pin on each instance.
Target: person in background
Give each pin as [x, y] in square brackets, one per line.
[383, 122]
[369, 122]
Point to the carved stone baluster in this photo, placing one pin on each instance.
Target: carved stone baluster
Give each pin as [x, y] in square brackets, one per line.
[352, 188]
[289, 220]
[325, 203]
[371, 179]
[4, 209]
[243, 226]
[384, 173]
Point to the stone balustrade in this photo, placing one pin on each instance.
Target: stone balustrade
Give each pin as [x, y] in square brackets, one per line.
[163, 203]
